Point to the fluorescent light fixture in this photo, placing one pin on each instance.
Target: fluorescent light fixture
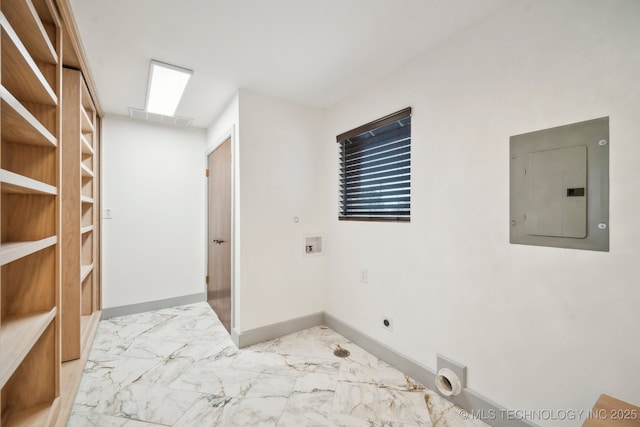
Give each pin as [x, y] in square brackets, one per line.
[166, 86]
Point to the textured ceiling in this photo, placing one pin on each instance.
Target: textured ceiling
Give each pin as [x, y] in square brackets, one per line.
[314, 52]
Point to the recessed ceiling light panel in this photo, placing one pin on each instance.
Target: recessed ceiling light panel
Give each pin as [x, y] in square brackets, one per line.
[166, 86]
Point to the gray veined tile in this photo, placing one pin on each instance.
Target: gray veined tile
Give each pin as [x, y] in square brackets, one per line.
[318, 341]
[358, 372]
[445, 414]
[93, 395]
[129, 327]
[262, 346]
[309, 408]
[147, 348]
[436, 405]
[87, 419]
[117, 370]
[214, 353]
[215, 381]
[404, 407]
[314, 382]
[259, 362]
[359, 400]
[361, 356]
[267, 385]
[178, 367]
[300, 365]
[349, 421]
[321, 334]
[184, 329]
[195, 325]
[151, 404]
[206, 411]
[390, 377]
[253, 411]
[106, 345]
[165, 372]
[194, 310]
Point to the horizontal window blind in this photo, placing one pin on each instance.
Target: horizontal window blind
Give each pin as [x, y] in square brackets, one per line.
[375, 170]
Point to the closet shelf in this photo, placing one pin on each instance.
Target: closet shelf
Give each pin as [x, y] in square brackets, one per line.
[22, 331]
[20, 126]
[20, 74]
[31, 38]
[84, 271]
[87, 122]
[86, 147]
[87, 102]
[12, 183]
[86, 229]
[86, 172]
[28, 26]
[86, 199]
[10, 252]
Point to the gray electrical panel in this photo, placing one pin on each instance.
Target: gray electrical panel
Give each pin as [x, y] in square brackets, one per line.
[559, 186]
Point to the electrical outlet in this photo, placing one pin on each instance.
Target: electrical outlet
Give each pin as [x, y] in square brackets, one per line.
[386, 323]
[364, 275]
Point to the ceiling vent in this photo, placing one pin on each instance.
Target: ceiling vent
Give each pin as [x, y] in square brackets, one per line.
[136, 113]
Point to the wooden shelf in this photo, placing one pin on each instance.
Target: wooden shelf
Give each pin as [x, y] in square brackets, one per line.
[84, 271]
[12, 183]
[22, 331]
[19, 125]
[86, 171]
[86, 229]
[40, 415]
[79, 196]
[10, 252]
[31, 39]
[86, 147]
[20, 74]
[28, 26]
[87, 101]
[87, 122]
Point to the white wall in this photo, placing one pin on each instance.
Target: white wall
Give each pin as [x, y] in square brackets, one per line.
[228, 119]
[275, 154]
[153, 180]
[279, 147]
[537, 327]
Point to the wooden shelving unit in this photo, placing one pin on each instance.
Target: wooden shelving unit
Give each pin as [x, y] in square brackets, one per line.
[30, 88]
[79, 287]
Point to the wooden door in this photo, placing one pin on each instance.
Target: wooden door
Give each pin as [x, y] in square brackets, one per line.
[219, 253]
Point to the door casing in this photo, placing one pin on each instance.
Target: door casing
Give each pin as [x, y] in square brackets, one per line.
[229, 135]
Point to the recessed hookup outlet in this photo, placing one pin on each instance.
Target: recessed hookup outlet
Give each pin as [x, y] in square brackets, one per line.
[386, 323]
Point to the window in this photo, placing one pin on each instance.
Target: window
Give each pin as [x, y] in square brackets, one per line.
[375, 170]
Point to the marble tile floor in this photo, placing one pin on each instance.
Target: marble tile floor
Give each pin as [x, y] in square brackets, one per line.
[178, 367]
